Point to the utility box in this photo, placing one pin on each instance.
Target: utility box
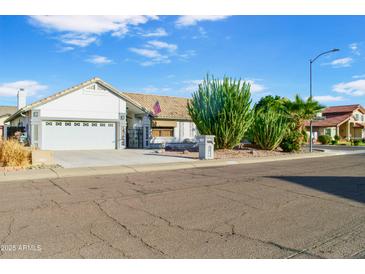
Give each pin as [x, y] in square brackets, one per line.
[206, 147]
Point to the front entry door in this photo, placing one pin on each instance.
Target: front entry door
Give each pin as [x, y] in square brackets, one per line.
[135, 138]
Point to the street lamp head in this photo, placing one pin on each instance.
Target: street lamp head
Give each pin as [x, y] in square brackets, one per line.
[334, 50]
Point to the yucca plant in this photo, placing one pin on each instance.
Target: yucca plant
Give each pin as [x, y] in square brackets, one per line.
[268, 129]
[222, 108]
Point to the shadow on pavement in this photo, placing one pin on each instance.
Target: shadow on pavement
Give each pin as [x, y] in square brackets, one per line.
[346, 187]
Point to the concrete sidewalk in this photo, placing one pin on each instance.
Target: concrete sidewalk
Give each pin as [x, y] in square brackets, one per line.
[122, 169]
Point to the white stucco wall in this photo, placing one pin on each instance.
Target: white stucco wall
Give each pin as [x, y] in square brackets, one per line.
[84, 103]
[182, 131]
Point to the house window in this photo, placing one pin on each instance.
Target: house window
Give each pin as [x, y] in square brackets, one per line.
[85, 124]
[102, 124]
[328, 131]
[94, 124]
[68, 124]
[162, 132]
[48, 123]
[110, 125]
[357, 117]
[35, 113]
[76, 124]
[58, 123]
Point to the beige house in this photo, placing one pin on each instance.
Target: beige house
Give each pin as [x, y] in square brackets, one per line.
[5, 113]
[95, 115]
[345, 121]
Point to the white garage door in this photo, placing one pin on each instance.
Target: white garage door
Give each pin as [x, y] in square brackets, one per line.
[78, 135]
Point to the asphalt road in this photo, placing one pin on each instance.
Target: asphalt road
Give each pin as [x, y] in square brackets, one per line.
[313, 208]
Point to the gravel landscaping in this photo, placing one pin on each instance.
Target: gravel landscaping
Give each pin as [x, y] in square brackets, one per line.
[242, 151]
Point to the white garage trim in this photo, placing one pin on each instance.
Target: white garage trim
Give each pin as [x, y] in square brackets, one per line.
[78, 135]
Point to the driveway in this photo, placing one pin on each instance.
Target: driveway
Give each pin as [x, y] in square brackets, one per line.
[93, 158]
[308, 208]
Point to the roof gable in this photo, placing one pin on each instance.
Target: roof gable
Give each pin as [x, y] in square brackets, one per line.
[343, 109]
[171, 107]
[94, 83]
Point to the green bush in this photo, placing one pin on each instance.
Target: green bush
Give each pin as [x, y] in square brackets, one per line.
[268, 129]
[290, 142]
[357, 142]
[222, 108]
[334, 142]
[337, 138]
[324, 139]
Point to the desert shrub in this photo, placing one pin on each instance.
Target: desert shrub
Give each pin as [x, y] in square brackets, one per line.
[357, 142]
[334, 142]
[222, 108]
[324, 139]
[268, 129]
[12, 153]
[290, 142]
[337, 138]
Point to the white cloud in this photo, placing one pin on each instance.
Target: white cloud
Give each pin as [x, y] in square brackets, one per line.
[99, 60]
[255, 87]
[354, 47]
[191, 20]
[328, 98]
[11, 89]
[75, 39]
[187, 55]
[65, 49]
[149, 53]
[158, 52]
[342, 62]
[162, 45]
[358, 76]
[153, 89]
[353, 88]
[192, 85]
[80, 30]
[159, 32]
[154, 56]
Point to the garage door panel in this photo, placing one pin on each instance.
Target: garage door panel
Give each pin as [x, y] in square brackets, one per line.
[78, 135]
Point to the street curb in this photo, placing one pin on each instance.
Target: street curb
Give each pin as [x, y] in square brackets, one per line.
[50, 173]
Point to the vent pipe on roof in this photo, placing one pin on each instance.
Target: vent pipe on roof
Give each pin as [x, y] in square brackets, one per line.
[22, 98]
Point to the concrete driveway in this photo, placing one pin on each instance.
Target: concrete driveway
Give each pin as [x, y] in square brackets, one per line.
[308, 208]
[94, 158]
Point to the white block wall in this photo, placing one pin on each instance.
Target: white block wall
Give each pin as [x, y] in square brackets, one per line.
[84, 103]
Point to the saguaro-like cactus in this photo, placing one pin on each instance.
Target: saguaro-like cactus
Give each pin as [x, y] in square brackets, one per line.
[222, 108]
[269, 128]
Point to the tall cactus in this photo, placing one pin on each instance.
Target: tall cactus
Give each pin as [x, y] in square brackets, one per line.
[269, 128]
[222, 108]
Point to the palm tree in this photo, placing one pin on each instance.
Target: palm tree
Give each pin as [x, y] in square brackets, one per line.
[301, 110]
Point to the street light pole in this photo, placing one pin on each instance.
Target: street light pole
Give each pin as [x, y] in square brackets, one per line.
[311, 61]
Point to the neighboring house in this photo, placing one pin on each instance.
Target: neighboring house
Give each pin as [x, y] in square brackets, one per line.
[95, 115]
[345, 121]
[5, 113]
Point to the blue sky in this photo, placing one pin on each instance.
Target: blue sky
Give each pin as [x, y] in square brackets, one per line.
[169, 55]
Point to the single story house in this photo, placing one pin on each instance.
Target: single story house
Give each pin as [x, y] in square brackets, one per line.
[5, 113]
[95, 115]
[346, 121]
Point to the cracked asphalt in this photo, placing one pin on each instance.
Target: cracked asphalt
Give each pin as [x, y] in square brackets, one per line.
[309, 208]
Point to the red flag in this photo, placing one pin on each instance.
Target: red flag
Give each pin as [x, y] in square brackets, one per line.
[156, 108]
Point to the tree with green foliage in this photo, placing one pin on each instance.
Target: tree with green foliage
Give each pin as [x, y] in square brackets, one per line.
[301, 110]
[270, 102]
[222, 108]
[269, 128]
